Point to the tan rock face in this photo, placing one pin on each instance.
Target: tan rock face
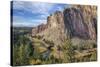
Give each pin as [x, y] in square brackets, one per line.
[38, 29]
[55, 19]
[55, 28]
[77, 21]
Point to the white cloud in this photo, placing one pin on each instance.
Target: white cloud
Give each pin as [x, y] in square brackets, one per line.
[42, 21]
[42, 7]
[37, 22]
[42, 10]
[18, 18]
[20, 21]
[23, 24]
[27, 24]
[60, 8]
[18, 5]
[34, 7]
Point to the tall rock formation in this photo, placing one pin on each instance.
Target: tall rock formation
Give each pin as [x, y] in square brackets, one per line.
[77, 21]
[90, 18]
[80, 21]
[55, 28]
[74, 23]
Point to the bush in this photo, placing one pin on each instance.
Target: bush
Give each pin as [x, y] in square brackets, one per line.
[22, 51]
[68, 50]
[93, 57]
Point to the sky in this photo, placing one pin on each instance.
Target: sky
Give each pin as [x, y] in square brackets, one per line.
[28, 13]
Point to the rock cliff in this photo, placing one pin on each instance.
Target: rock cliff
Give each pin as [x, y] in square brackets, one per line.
[76, 21]
[81, 21]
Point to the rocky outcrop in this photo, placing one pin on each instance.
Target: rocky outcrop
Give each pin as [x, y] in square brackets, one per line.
[80, 21]
[76, 21]
[38, 29]
[55, 28]
[55, 19]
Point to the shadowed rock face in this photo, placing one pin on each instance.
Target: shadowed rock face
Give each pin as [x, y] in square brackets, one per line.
[80, 21]
[90, 18]
[75, 26]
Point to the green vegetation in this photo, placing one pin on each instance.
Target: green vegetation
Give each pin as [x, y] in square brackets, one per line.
[22, 51]
[26, 52]
[29, 50]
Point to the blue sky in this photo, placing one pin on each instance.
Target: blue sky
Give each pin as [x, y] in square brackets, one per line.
[27, 13]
